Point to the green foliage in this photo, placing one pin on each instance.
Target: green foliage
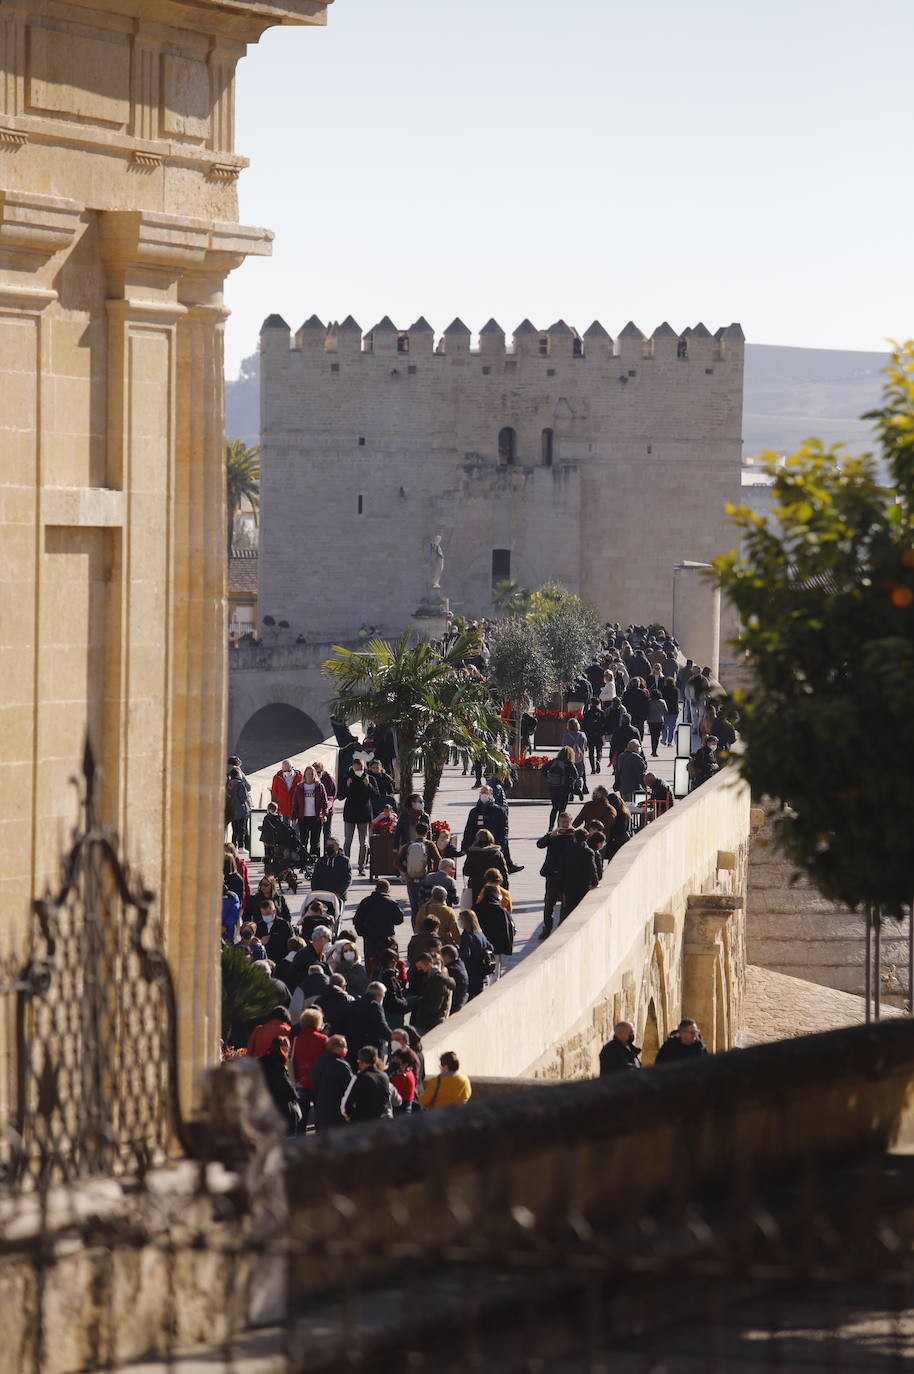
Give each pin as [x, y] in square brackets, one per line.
[825, 590]
[420, 692]
[247, 992]
[518, 666]
[569, 633]
[510, 598]
[242, 482]
[546, 598]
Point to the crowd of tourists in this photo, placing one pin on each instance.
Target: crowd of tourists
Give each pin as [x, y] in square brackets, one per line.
[344, 1040]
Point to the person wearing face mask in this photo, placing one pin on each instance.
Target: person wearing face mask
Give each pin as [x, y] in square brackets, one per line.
[344, 959]
[485, 815]
[357, 790]
[282, 788]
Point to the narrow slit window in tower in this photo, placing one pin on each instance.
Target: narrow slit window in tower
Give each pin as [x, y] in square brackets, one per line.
[548, 447]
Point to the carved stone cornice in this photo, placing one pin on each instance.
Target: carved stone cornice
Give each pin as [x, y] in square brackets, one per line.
[153, 251]
[34, 227]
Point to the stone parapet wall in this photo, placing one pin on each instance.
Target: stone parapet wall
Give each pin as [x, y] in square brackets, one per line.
[610, 1149]
[625, 951]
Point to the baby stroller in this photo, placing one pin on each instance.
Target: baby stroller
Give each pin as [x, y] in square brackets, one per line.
[282, 851]
[332, 919]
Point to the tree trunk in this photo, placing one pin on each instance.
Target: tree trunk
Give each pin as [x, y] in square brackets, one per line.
[434, 767]
[407, 755]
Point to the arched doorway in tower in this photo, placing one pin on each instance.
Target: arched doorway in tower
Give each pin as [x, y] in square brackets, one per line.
[274, 733]
[650, 1043]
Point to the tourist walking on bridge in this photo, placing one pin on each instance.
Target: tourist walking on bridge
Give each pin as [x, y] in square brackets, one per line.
[620, 1054]
[684, 1043]
[555, 842]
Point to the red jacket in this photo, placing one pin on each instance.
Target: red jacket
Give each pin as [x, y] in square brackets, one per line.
[282, 795]
[320, 801]
[263, 1036]
[309, 1045]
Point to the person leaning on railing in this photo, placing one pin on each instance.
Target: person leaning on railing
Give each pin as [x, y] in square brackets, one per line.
[448, 1088]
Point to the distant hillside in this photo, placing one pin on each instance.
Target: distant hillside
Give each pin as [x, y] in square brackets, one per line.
[790, 394]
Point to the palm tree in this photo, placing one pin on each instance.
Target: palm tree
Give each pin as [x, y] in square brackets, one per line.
[423, 694]
[510, 598]
[247, 992]
[242, 482]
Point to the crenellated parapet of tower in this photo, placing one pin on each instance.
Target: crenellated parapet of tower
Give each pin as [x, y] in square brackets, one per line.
[560, 341]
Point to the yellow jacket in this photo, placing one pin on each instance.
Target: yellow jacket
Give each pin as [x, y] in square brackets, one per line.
[448, 928]
[446, 1090]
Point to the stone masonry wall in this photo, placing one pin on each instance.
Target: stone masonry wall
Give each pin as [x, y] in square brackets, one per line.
[793, 929]
[394, 441]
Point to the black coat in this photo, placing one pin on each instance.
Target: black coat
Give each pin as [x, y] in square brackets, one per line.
[496, 925]
[406, 825]
[276, 941]
[673, 1049]
[370, 1096]
[376, 919]
[330, 1077]
[281, 1088]
[356, 793]
[251, 909]
[297, 971]
[485, 817]
[335, 1004]
[473, 945]
[555, 847]
[634, 699]
[571, 778]
[616, 1057]
[458, 972]
[365, 1024]
[478, 861]
[332, 874]
[577, 871]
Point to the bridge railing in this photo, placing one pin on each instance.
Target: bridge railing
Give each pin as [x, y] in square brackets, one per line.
[605, 947]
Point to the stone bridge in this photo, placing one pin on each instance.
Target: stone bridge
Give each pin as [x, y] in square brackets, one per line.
[277, 700]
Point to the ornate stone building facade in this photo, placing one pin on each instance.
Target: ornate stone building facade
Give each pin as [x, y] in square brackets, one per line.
[118, 213]
[601, 463]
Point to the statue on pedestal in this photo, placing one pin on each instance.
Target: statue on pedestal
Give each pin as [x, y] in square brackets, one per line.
[435, 563]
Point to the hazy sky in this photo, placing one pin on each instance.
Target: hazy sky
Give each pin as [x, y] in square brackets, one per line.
[584, 158]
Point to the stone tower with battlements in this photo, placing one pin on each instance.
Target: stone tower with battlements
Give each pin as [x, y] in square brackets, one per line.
[598, 462]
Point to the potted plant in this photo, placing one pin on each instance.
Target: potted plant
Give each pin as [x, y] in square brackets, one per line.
[530, 780]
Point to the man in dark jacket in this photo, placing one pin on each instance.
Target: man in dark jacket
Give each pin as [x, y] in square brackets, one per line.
[335, 1004]
[333, 871]
[658, 791]
[555, 843]
[485, 815]
[314, 952]
[330, 1077]
[274, 932]
[620, 1053]
[435, 991]
[368, 1096]
[456, 969]
[684, 1043]
[376, 919]
[365, 1022]
[702, 763]
[357, 790]
[630, 770]
[411, 817]
[578, 872]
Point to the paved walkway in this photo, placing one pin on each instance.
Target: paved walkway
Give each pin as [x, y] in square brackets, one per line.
[528, 822]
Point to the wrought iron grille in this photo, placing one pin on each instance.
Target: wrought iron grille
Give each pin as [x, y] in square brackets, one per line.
[95, 1025]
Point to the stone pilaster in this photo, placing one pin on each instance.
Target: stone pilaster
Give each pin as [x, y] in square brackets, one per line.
[711, 983]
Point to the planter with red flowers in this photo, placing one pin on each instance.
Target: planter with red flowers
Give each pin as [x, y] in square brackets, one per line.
[530, 780]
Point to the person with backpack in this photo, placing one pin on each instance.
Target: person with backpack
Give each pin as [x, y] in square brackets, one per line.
[561, 777]
[575, 740]
[414, 860]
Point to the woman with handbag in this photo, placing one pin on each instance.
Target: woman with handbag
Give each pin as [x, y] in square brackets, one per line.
[448, 1088]
[496, 925]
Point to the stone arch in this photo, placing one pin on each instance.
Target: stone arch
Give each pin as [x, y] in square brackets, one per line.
[507, 445]
[274, 732]
[650, 1040]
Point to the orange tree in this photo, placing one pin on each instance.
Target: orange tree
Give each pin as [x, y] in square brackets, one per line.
[824, 588]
